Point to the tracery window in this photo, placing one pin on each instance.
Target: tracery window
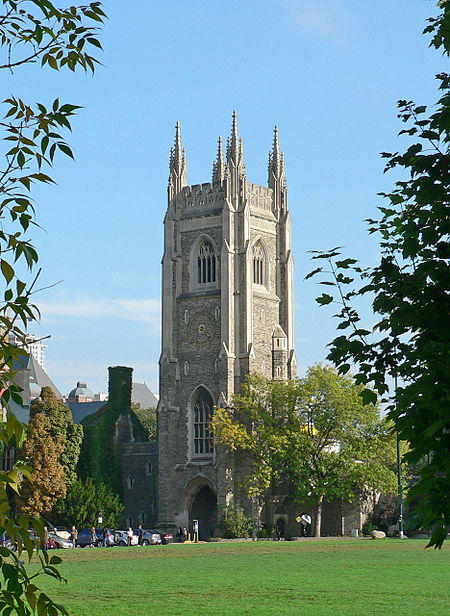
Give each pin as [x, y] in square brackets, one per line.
[259, 264]
[206, 263]
[202, 414]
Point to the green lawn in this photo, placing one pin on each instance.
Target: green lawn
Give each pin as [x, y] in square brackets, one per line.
[339, 577]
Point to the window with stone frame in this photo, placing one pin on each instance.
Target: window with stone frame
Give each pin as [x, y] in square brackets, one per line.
[259, 264]
[206, 263]
[201, 417]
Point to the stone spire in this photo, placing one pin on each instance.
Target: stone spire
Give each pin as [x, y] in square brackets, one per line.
[235, 151]
[276, 175]
[218, 165]
[177, 166]
[276, 160]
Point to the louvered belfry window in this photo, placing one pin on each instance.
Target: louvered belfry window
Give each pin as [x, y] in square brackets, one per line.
[206, 264]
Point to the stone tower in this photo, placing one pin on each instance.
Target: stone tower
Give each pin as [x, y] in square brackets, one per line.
[227, 310]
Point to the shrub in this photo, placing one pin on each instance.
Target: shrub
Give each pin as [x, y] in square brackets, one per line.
[235, 523]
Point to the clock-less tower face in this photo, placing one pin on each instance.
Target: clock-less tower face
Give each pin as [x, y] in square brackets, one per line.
[200, 329]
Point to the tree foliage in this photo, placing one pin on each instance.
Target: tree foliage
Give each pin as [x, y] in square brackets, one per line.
[314, 433]
[82, 503]
[30, 30]
[147, 418]
[409, 290]
[62, 428]
[41, 451]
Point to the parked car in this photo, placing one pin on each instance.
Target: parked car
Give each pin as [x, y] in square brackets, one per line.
[151, 537]
[85, 538]
[60, 542]
[121, 538]
[165, 537]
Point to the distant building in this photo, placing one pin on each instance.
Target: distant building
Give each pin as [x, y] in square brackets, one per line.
[34, 345]
[81, 393]
[101, 397]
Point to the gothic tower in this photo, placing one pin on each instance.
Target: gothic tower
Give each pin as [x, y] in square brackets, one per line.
[227, 310]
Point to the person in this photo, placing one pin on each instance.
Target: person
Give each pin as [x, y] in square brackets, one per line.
[94, 537]
[74, 535]
[305, 524]
[140, 535]
[129, 535]
[105, 537]
[184, 538]
[45, 538]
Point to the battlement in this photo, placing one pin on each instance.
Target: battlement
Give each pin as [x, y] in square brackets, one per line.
[259, 197]
[199, 196]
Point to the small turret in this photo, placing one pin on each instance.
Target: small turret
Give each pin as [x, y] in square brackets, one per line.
[279, 353]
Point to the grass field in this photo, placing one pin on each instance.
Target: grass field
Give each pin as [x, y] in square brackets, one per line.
[340, 577]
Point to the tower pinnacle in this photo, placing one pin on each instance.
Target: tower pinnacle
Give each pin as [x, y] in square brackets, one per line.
[276, 161]
[235, 150]
[218, 165]
[177, 165]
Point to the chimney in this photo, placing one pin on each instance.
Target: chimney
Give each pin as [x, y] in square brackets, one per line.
[120, 378]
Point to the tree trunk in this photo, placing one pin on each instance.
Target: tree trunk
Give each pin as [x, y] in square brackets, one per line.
[319, 515]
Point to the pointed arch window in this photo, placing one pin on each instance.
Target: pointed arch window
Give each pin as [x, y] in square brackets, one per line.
[259, 264]
[206, 263]
[202, 414]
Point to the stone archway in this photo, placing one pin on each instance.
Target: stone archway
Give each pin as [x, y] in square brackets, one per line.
[204, 509]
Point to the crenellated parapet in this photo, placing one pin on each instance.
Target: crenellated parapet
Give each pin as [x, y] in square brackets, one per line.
[260, 198]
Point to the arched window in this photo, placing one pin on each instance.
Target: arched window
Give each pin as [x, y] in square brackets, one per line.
[202, 413]
[206, 263]
[130, 482]
[259, 264]
[148, 468]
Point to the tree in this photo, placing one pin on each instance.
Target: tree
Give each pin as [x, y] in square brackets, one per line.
[82, 503]
[42, 453]
[408, 349]
[147, 418]
[314, 433]
[61, 428]
[30, 30]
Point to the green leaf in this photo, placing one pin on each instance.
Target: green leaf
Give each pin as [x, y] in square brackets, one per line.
[324, 299]
[7, 271]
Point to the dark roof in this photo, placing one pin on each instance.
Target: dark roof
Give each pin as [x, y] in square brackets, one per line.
[141, 394]
[80, 410]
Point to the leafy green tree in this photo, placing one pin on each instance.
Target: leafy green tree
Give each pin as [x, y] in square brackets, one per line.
[30, 31]
[314, 433]
[408, 349]
[83, 501]
[147, 418]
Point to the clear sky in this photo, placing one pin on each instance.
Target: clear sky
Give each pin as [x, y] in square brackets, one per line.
[328, 72]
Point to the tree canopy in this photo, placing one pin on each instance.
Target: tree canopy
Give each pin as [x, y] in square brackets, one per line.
[406, 355]
[315, 434]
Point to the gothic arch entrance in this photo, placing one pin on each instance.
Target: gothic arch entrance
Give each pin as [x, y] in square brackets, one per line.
[202, 506]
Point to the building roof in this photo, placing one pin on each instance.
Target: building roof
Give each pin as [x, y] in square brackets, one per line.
[142, 395]
[80, 410]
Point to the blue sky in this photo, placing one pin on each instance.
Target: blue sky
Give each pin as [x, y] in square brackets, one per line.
[328, 72]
